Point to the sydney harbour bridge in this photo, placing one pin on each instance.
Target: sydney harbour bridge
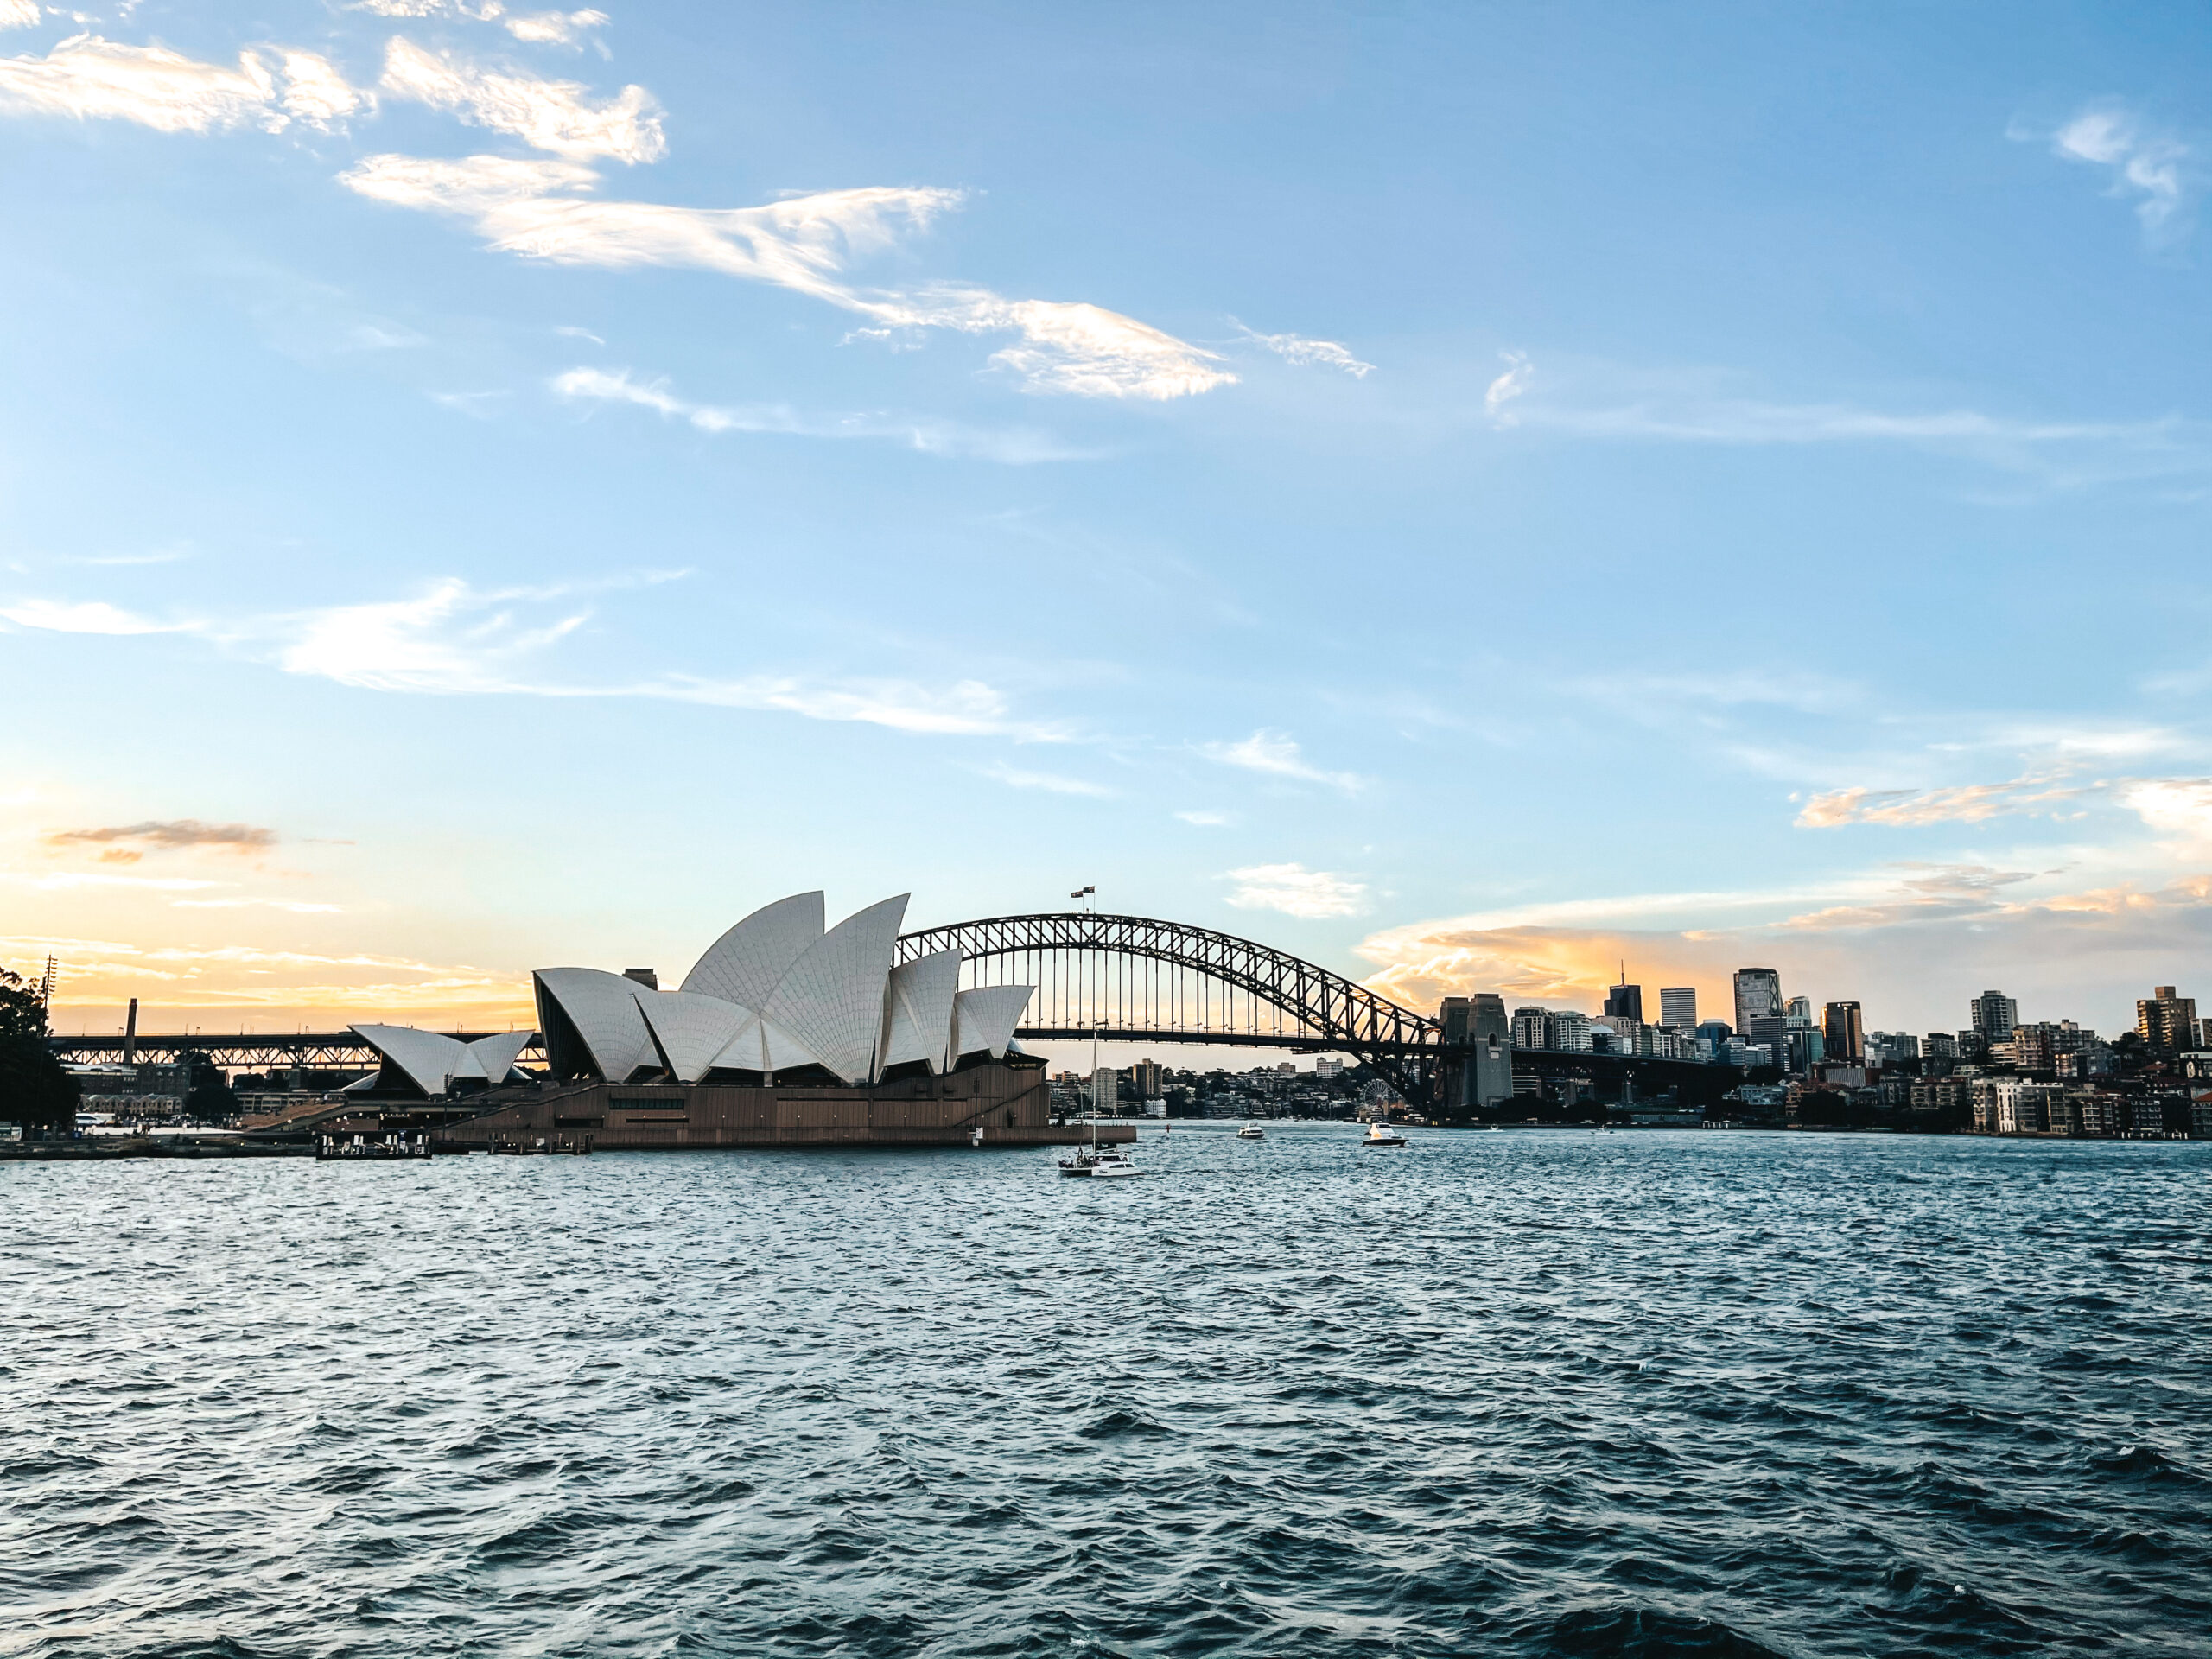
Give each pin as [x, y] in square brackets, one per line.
[1124, 979]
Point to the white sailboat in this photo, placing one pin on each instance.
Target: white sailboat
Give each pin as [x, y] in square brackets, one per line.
[1090, 1163]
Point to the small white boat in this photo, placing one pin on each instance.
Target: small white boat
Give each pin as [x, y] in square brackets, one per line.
[1382, 1135]
[1252, 1132]
[1099, 1165]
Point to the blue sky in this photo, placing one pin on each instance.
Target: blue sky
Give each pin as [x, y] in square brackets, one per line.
[1466, 494]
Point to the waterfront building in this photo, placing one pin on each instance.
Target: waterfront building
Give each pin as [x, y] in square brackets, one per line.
[1888, 1049]
[1841, 1034]
[1144, 1078]
[1567, 1030]
[1528, 1028]
[1994, 1016]
[1758, 996]
[2165, 1021]
[1678, 1007]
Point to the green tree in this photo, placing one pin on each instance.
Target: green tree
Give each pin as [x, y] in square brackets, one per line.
[35, 1091]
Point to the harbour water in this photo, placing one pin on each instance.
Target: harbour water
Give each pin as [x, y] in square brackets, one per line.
[1503, 1392]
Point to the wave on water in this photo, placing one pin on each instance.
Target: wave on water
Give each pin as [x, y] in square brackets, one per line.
[1527, 1394]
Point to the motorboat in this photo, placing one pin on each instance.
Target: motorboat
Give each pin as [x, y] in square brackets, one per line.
[1252, 1132]
[1382, 1135]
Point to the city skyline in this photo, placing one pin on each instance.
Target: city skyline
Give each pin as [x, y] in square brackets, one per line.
[480, 485]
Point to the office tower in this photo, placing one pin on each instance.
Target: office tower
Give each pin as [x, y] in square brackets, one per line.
[1528, 1028]
[1994, 1015]
[1845, 1038]
[1800, 1008]
[1624, 999]
[2167, 1022]
[1715, 1032]
[1568, 1030]
[1758, 996]
[1678, 1007]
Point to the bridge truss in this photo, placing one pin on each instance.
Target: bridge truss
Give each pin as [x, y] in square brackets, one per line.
[1134, 979]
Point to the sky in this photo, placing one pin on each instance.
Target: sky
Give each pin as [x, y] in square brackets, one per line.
[1472, 495]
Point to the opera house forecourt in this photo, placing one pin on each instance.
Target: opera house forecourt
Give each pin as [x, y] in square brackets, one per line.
[785, 1033]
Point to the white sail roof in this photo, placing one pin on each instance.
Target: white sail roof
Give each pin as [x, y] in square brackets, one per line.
[983, 1020]
[428, 1058]
[831, 999]
[918, 1011]
[745, 965]
[497, 1054]
[603, 1008]
[691, 1030]
[763, 1046]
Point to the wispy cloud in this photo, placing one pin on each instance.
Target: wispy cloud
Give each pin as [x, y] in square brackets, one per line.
[1686, 408]
[1296, 891]
[809, 243]
[1051, 782]
[1016, 446]
[18, 13]
[1958, 804]
[91, 78]
[89, 616]
[1274, 753]
[553, 28]
[296, 907]
[1519, 372]
[1305, 353]
[127, 843]
[1205, 820]
[549, 114]
[453, 639]
[2156, 169]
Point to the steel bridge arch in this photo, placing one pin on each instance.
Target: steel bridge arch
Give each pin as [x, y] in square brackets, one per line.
[1326, 1010]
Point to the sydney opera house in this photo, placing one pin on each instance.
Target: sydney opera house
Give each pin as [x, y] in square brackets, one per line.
[786, 1032]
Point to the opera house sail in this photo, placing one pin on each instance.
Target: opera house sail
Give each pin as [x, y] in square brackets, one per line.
[785, 1031]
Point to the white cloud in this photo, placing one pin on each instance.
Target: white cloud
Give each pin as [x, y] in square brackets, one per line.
[1205, 820]
[2034, 796]
[1051, 782]
[2176, 806]
[549, 114]
[1296, 891]
[1686, 409]
[553, 28]
[92, 616]
[1273, 753]
[931, 438]
[2158, 170]
[90, 77]
[453, 639]
[1297, 349]
[317, 94]
[18, 13]
[808, 244]
[1508, 386]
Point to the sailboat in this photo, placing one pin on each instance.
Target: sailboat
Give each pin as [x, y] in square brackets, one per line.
[1091, 1162]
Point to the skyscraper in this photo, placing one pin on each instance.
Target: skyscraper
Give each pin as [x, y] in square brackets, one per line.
[2166, 1023]
[1994, 1015]
[1758, 996]
[1678, 1007]
[1844, 1038]
[1624, 999]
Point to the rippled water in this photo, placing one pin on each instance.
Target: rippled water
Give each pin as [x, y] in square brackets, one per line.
[1517, 1393]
